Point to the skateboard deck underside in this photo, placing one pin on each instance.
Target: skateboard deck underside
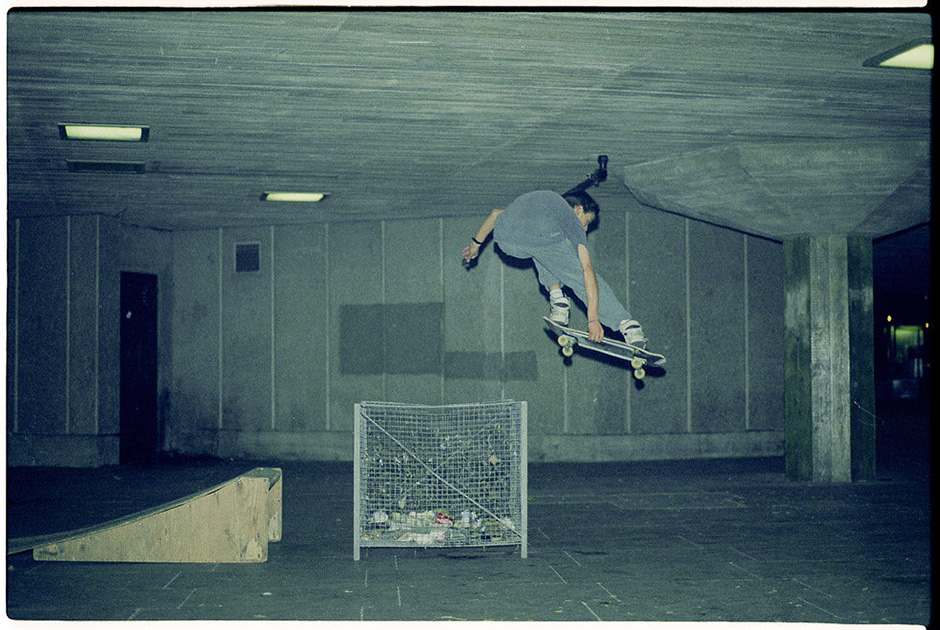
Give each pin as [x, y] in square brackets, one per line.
[637, 357]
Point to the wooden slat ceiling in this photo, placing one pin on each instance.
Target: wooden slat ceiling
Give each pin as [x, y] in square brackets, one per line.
[765, 122]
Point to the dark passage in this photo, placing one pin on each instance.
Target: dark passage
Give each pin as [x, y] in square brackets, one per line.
[139, 421]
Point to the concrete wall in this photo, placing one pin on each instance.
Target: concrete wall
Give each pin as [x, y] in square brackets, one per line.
[270, 363]
[63, 326]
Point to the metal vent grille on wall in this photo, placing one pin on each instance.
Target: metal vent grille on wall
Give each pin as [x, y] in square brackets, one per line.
[247, 257]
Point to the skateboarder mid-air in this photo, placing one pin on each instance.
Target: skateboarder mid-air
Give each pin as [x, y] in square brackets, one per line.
[551, 230]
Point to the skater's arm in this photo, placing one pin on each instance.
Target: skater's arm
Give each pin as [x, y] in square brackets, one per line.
[473, 249]
[595, 330]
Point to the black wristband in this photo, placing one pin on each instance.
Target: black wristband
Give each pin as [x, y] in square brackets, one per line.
[473, 238]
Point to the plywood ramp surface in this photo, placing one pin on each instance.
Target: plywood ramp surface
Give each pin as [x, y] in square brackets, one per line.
[231, 522]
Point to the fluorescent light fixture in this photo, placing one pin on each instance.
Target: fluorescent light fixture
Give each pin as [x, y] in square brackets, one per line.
[120, 133]
[309, 197]
[917, 54]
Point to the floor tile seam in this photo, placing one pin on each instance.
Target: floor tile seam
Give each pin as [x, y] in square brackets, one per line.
[665, 553]
[628, 510]
[824, 560]
[696, 581]
[249, 590]
[115, 591]
[817, 598]
[593, 591]
[462, 590]
[600, 495]
[780, 593]
[187, 598]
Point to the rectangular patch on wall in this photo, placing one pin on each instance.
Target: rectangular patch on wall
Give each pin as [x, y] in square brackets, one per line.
[391, 338]
[361, 347]
[521, 366]
[409, 339]
[479, 365]
[518, 366]
[413, 338]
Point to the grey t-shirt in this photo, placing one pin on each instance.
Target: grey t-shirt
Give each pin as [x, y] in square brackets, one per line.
[537, 219]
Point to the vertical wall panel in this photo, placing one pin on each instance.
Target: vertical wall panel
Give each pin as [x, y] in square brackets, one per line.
[300, 328]
[196, 351]
[598, 386]
[716, 268]
[525, 304]
[13, 228]
[356, 280]
[83, 325]
[113, 237]
[246, 334]
[43, 338]
[472, 317]
[658, 301]
[414, 311]
[765, 333]
[62, 383]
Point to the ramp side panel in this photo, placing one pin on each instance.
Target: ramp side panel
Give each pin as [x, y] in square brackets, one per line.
[230, 523]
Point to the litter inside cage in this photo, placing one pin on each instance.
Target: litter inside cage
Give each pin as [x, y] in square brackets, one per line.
[440, 476]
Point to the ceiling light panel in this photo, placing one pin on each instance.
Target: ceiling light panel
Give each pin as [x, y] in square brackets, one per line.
[117, 133]
[308, 197]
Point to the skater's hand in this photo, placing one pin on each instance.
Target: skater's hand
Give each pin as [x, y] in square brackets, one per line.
[470, 252]
[595, 331]
[476, 241]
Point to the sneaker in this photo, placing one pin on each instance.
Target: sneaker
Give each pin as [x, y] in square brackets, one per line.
[560, 309]
[633, 333]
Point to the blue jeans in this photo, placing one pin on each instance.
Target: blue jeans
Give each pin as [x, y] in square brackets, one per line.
[559, 264]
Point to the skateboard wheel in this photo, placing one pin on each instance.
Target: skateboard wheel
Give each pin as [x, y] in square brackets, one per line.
[636, 363]
[567, 350]
[564, 341]
[639, 373]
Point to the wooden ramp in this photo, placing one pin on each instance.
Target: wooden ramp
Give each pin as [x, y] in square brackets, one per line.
[231, 522]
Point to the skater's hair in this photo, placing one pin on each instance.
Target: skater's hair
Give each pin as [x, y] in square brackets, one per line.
[582, 199]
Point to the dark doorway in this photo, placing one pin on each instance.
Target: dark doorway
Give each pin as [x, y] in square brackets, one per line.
[139, 423]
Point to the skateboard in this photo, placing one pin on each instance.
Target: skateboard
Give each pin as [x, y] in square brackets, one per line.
[568, 338]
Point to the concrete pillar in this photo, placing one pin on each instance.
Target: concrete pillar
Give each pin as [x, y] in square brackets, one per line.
[829, 385]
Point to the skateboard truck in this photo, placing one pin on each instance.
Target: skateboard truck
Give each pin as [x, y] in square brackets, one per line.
[568, 343]
[638, 357]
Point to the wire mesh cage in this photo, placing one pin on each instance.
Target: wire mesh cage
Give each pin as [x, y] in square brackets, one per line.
[444, 476]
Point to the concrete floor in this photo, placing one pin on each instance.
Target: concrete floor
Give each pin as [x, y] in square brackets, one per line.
[728, 540]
